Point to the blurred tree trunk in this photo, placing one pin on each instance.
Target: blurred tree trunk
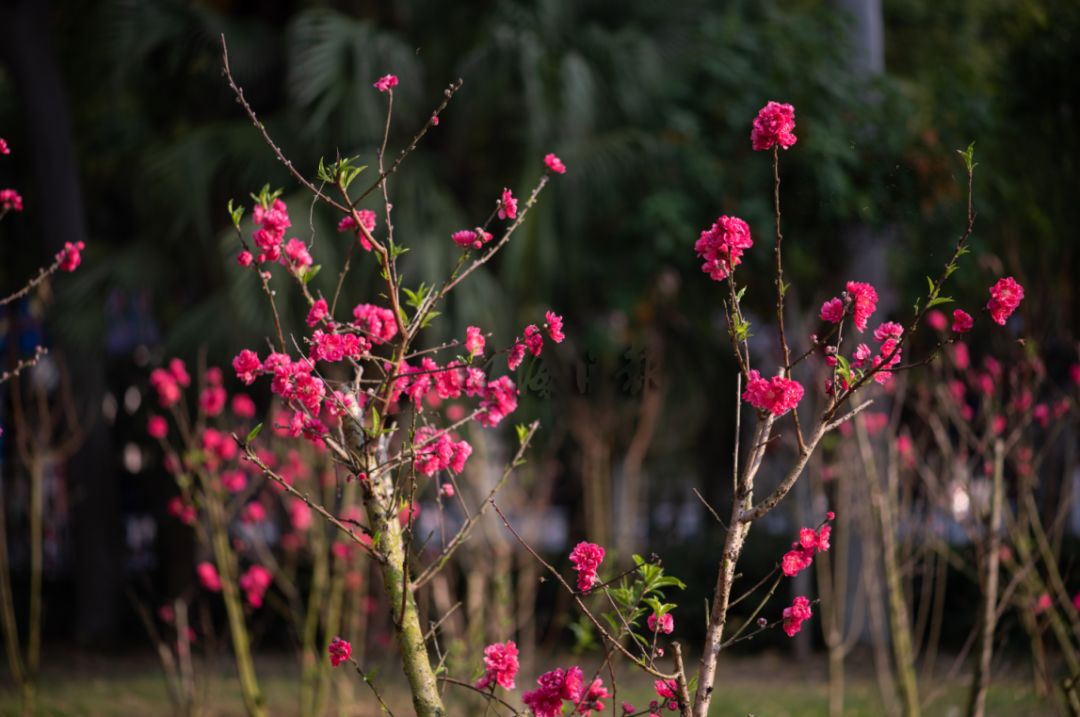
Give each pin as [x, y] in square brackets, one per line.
[866, 42]
[632, 493]
[535, 506]
[867, 37]
[883, 501]
[866, 59]
[591, 427]
[990, 572]
[96, 532]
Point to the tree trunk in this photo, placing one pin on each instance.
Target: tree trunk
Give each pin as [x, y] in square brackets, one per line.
[7, 604]
[832, 575]
[33, 639]
[734, 541]
[866, 36]
[234, 607]
[981, 679]
[382, 511]
[899, 624]
[875, 602]
[311, 658]
[406, 619]
[632, 521]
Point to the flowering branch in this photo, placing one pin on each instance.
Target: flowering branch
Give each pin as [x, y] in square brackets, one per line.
[250, 455]
[932, 298]
[493, 250]
[463, 533]
[577, 599]
[796, 469]
[721, 248]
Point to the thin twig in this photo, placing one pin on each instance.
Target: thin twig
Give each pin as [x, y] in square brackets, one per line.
[489, 695]
[522, 212]
[781, 289]
[43, 273]
[753, 616]
[752, 590]
[370, 683]
[39, 353]
[431, 631]
[848, 416]
[266, 135]
[577, 599]
[958, 251]
[250, 455]
[709, 508]
[448, 95]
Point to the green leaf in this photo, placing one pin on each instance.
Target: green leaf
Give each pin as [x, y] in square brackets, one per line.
[348, 174]
[415, 299]
[265, 197]
[742, 330]
[310, 273]
[236, 213]
[584, 639]
[669, 581]
[253, 434]
[322, 172]
[429, 317]
[614, 626]
[375, 420]
[522, 433]
[939, 300]
[968, 156]
[739, 295]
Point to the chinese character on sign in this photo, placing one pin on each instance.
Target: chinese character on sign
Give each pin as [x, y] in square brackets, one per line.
[584, 370]
[538, 379]
[637, 372]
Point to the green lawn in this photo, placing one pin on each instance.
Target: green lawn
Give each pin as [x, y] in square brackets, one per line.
[763, 687]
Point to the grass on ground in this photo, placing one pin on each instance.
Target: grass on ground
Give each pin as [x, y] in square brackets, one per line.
[760, 686]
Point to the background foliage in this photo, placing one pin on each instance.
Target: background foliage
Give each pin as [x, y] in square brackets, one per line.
[649, 105]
